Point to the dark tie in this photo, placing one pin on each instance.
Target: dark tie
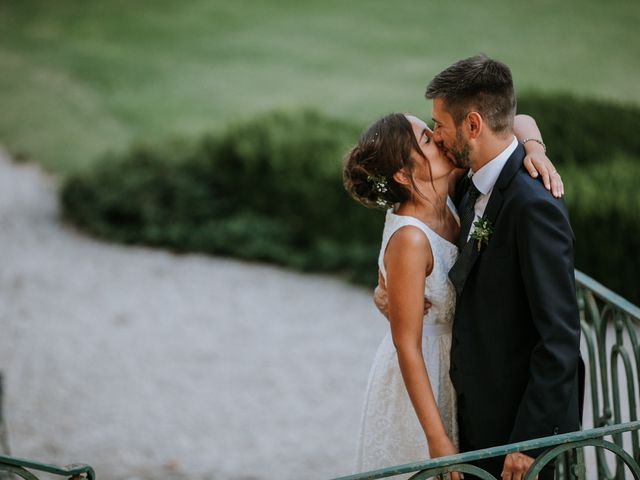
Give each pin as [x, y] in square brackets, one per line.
[467, 213]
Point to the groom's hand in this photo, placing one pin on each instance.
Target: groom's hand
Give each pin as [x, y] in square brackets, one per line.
[381, 299]
[516, 466]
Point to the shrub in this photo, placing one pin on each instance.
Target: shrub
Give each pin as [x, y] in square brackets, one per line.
[604, 206]
[270, 189]
[584, 131]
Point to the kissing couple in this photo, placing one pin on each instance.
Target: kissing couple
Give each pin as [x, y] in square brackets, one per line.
[476, 278]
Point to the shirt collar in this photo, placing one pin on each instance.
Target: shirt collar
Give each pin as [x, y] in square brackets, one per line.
[487, 176]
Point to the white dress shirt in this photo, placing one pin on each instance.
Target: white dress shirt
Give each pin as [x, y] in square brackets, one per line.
[485, 179]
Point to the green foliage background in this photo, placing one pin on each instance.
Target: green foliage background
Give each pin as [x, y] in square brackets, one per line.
[270, 189]
[82, 81]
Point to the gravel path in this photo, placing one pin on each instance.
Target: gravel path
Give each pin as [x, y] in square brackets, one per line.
[146, 364]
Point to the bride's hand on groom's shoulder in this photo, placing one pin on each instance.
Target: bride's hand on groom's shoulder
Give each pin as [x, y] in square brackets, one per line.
[538, 164]
[381, 299]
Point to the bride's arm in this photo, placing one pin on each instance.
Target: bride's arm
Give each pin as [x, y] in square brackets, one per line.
[536, 161]
[407, 260]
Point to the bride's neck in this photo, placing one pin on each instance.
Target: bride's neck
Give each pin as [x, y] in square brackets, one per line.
[429, 203]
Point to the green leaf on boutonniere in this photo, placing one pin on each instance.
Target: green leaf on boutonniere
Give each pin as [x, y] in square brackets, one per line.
[482, 230]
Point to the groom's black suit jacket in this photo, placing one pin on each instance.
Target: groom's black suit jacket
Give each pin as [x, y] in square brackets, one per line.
[516, 335]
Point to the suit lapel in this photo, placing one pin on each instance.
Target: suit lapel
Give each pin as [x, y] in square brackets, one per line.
[469, 254]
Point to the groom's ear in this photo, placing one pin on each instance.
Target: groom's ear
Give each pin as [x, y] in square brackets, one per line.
[474, 124]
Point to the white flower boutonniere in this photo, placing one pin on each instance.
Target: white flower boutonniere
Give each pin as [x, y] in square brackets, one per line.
[482, 230]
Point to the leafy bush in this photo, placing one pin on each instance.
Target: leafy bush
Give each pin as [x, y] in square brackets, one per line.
[584, 131]
[604, 205]
[270, 189]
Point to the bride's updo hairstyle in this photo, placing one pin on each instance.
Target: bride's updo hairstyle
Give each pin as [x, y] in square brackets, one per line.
[383, 149]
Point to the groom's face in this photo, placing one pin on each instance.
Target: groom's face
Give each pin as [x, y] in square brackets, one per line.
[449, 137]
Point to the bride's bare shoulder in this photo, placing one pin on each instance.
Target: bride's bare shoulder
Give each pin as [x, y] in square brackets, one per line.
[409, 249]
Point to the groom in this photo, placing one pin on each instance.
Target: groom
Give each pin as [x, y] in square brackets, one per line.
[516, 336]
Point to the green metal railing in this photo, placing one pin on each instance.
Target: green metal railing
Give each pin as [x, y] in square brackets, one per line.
[23, 468]
[610, 326]
[569, 444]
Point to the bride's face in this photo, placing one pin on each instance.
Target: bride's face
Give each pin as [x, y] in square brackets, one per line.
[436, 165]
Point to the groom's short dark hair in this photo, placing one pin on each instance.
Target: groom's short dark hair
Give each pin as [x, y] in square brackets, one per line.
[480, 84]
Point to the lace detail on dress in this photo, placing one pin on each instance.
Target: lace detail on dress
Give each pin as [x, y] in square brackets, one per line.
[390, 433]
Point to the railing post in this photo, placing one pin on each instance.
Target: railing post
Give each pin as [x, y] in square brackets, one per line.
[574, 464]
[4, 437]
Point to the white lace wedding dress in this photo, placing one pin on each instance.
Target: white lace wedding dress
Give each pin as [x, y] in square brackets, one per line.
[390, 433]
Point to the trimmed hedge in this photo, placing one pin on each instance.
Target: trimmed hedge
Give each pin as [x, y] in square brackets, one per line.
[584, 131]
[604, 207]
[270, 189]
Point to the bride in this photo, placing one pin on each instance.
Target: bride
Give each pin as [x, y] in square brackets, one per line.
[409, 411]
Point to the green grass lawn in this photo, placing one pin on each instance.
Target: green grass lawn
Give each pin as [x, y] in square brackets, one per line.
[79, 78]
